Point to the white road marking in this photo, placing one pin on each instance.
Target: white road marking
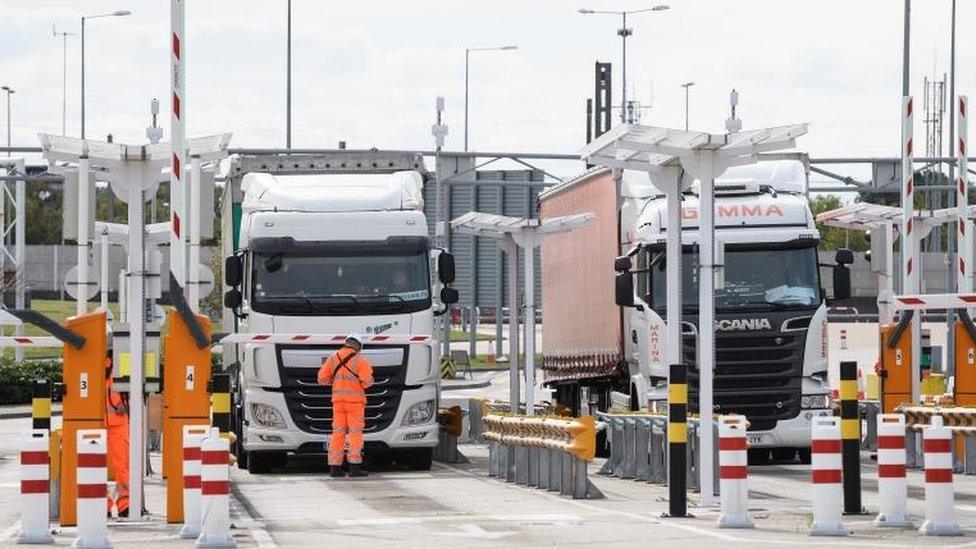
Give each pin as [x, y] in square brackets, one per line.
[695, 529]
[256, 529]
[472, 530]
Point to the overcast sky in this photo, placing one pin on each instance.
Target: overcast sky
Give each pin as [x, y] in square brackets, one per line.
[368, 72]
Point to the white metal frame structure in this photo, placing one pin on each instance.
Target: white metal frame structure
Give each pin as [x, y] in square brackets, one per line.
[13, 167]
[665, 154]
[135, 172]
[513, 233]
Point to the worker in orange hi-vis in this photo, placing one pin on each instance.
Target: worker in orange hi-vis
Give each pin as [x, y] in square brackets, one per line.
[349, 374]
[117, 425]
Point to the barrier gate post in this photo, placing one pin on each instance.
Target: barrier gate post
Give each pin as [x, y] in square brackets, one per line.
[677, 440]
[83, 406]
[896, 365]
[186, 401]
[850, 427]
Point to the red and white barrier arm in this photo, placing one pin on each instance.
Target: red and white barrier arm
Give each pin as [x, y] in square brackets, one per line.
[30, 341]
[325, 339]
[923, 302]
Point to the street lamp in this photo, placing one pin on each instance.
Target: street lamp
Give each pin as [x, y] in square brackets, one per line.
[467, 55]
[64, 76]
[119, 13]
[623, 32]
[687, 86]
[10, 91]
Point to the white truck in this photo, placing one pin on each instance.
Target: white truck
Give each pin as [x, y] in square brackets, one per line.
[771, 314]
[335, 254]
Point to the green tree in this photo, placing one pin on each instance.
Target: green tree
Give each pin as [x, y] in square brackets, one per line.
[833, 238]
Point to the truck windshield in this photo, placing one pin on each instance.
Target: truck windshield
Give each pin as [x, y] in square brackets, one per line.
[756, 278]
[309, 284]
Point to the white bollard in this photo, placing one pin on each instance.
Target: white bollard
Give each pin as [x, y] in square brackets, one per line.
[733, 473]
[35, 470]
[92, 489]
[825, 474]
[843, 339]
[892, 485]
[193, 436]
[940, 513]
[215, 492]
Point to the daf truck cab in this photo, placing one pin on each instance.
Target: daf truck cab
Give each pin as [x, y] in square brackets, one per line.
[770, 311]
[335, 254]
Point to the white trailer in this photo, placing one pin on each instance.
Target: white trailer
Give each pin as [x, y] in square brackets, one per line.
[334, 254]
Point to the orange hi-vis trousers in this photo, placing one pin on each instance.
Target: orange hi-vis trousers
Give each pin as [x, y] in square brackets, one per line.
[348, 420]
[118, 457]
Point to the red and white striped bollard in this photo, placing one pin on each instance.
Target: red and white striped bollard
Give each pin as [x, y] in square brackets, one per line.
[92, 489]
[215, 492]
[825, 474]
[892, 484]
[733, 473]
[193, 436]
[940, 513]
[35, 474]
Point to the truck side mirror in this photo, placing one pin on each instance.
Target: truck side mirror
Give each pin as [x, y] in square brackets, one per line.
[622, 263]
[449, 296]
[624, 288]
[233, 271]
[445, 269]
[842, 282]
[233, 299]
[844, 257]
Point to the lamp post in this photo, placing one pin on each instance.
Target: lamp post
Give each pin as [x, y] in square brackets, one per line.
[120, 13]
[10, 91]
[687, 86]
[467, 58]
[64, 76]
[623, 32]
[288, 86]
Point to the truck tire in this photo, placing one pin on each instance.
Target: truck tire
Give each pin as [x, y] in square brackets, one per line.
[416, 459]
[259, 463]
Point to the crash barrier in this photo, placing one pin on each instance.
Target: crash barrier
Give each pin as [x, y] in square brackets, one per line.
[850, 432]
[733, 472]
[34, 488]
[892, 484]
[193, 436]
[551, 453]
[960, 421]
[940, 513]
[92, 488]
[451, 423]
[638, 448]
[478, 407]
[215, 491]
[825, 474]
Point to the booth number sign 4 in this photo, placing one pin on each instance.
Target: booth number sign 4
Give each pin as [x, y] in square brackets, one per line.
[190, 377]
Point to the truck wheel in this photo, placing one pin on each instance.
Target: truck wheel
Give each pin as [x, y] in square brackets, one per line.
[259, 463]
[804, 454]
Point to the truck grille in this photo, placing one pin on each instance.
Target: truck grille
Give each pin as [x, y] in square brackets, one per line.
[310, 404]
[756, 374]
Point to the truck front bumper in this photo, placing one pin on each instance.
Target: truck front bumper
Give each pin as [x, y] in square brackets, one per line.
[789, 433]
[293, 439]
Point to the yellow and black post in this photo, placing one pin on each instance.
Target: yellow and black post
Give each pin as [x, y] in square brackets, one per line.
[41, 404]
[677, 440]
[850, 430]
[220, 403]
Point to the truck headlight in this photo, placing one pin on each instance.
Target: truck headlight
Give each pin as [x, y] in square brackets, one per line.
[809, 402]
[418, 413]
[267, 416]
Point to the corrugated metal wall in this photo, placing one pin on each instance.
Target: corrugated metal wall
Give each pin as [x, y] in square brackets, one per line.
[480, 266]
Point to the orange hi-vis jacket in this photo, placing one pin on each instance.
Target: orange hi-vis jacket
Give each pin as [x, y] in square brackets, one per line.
[350, 381]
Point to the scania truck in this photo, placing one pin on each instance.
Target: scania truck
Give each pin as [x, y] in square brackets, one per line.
[771, 313]
[334, 254]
